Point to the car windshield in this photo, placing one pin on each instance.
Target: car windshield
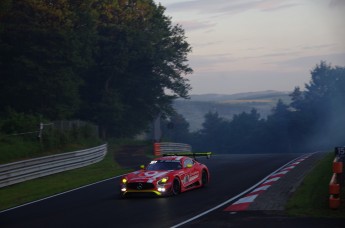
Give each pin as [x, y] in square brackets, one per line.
[164, 165]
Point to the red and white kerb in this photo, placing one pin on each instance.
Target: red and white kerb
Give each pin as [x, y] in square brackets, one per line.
[243, 203]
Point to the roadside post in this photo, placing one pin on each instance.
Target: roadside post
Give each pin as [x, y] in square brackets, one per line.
[337, 180]
[340, 155]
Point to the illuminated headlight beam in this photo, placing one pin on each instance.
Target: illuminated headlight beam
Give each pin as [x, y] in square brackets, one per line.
[161, 189]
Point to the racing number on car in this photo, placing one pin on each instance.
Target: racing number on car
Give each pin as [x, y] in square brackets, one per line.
[189, 177]
[148, 174]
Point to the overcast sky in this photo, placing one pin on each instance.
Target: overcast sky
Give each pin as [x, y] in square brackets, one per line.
[256, 45]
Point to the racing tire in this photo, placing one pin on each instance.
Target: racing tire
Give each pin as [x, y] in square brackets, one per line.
[204, 178]
[176, 187]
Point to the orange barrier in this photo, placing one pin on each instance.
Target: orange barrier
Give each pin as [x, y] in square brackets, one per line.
[334, 203]
[156, 149]
[337, 166]
[170, 147]
[334, 185]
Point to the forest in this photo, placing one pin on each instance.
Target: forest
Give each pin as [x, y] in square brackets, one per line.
[313, 121]
[117, 64]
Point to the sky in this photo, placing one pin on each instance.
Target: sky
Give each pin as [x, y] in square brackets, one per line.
[257, 45]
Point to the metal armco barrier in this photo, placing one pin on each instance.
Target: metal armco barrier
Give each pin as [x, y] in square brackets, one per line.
[168, 147]
[336, 180]
[17, 172]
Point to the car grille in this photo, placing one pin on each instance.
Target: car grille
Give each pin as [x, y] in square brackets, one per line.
[140, 186]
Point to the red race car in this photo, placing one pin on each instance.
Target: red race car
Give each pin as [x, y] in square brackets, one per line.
[167, 175]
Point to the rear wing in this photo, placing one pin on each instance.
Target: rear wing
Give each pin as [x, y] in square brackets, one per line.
[189, 154]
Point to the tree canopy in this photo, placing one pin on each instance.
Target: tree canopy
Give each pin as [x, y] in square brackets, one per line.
[113, 62]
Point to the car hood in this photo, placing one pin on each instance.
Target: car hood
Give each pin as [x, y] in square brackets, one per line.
[147, 176]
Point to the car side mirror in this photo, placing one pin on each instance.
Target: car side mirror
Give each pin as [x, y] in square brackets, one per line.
[142, 167]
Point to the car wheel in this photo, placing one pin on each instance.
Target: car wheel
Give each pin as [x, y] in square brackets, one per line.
[176, 187]
[204, 178]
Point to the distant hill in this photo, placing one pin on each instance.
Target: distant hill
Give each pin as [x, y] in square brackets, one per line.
[227, 105]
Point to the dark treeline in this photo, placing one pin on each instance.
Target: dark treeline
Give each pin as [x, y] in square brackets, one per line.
[315, 120]
[116, 63]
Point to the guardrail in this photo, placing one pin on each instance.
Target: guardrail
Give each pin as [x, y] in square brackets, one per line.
[337, 178]
[17, 172]
[169, 147]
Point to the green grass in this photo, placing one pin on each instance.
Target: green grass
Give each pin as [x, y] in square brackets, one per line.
[311, 198]
[28, 191]
[16, 149]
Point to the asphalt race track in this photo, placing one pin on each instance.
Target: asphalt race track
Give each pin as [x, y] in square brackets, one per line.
[99, 205]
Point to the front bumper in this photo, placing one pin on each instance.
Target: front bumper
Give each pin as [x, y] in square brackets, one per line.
[141, 192]
[131, 189]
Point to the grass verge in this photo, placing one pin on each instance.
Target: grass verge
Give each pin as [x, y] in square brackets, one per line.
[12, 150]
[28, 191]
[311, 198]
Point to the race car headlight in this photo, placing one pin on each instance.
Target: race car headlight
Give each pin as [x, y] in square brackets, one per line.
[163, 180]
[161, 189]
[124, 181]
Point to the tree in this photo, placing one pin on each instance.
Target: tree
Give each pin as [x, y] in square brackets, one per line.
[213, 135]
[297, 99]
[244, 134]
[278, 126]
[40, 58]
[176, 129]
[324, 105]
[139, 56]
